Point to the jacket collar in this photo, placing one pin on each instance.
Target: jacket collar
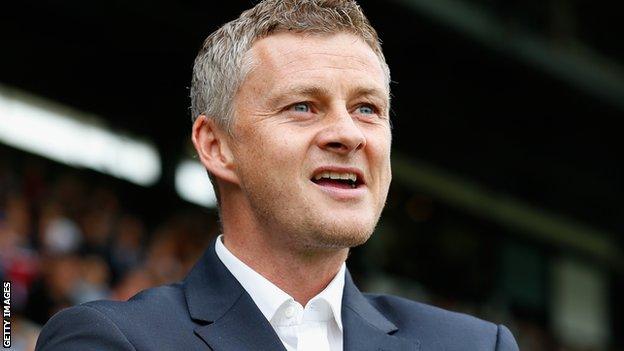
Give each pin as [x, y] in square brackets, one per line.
[355, 301]
[218, 303]
[365, 327]
[268, 297]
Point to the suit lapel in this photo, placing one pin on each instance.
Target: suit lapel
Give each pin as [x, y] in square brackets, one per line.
[243, 327]
[228, 317]
[365, 328]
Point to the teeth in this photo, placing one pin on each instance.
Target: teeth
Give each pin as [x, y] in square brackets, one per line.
[333, 175]
[321, 175]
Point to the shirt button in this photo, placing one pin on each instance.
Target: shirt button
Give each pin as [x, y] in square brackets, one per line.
[290, 312]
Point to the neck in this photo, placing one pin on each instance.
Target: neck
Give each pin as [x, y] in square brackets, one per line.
[300, 276]
[300, 272]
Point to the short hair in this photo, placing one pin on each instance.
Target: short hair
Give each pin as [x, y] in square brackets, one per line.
[222, 63]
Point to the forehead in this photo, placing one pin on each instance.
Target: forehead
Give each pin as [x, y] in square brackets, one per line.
[289, 55]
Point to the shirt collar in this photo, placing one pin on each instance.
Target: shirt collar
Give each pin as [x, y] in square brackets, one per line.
[267, 296]
[333, 295]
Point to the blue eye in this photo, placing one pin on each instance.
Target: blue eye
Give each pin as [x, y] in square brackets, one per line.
[301, 107]
[366, 110]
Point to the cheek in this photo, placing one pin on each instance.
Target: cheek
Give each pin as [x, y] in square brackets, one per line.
[379, 144]
[273, 151]
[291, 137]
[380, 147]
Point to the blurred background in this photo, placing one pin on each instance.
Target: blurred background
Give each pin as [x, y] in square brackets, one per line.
[507, 194]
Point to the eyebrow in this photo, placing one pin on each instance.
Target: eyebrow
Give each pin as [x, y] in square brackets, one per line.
[316, 90]
[371, 92]
[305, 90]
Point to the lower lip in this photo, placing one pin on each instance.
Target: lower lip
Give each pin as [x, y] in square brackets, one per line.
[342, 194]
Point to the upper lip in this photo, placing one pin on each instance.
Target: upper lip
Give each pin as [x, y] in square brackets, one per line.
[341, 169]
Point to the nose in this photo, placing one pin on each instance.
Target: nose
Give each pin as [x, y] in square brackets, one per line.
[342, 135]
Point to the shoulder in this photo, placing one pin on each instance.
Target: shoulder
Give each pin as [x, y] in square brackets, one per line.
[437, 326]
[81, 327]
[163, 301]
[116, 324]
[404, 312]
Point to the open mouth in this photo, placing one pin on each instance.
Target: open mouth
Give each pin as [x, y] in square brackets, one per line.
[341, 180]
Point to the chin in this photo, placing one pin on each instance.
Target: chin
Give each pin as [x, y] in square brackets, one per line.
[342, 234]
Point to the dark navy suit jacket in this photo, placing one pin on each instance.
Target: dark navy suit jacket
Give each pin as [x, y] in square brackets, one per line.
[210, 310]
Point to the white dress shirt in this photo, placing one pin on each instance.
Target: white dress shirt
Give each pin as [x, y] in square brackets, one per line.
[317, 326]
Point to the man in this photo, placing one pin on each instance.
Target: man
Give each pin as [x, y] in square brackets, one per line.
[291, 119]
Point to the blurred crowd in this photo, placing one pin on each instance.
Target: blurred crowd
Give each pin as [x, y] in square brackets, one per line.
[64, 241]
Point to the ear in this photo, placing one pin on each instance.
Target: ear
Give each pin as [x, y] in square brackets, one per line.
[211, 144]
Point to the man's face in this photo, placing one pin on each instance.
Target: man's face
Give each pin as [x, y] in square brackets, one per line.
[314, 108]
